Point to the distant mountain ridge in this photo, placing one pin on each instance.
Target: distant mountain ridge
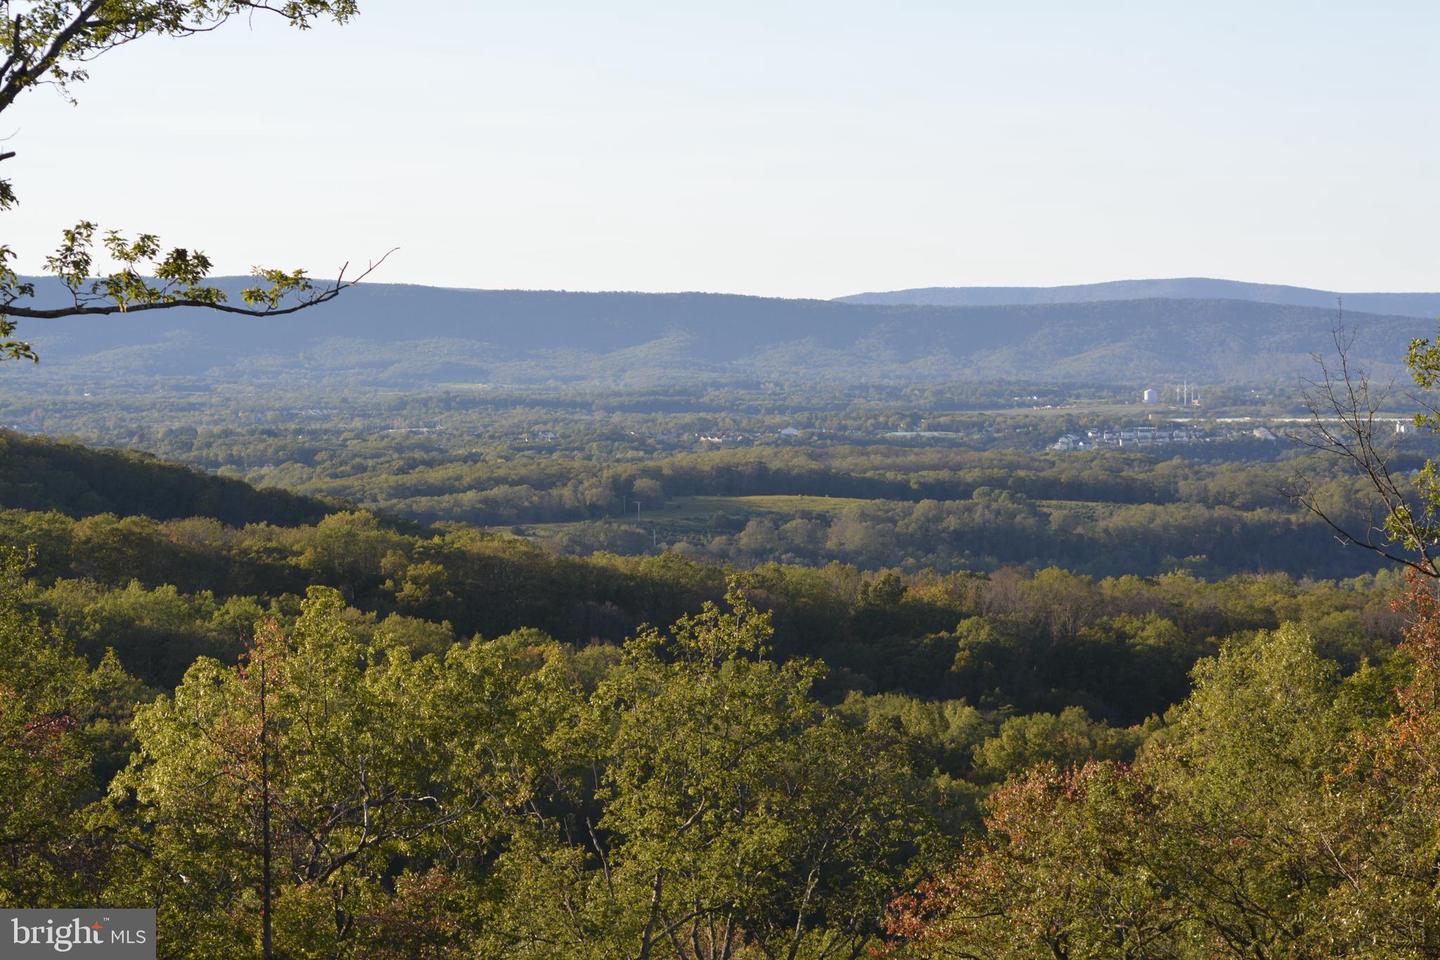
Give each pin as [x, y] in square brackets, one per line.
[403, 337]
[1425, 305]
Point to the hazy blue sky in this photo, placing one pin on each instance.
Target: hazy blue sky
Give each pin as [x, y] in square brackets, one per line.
[787, 148]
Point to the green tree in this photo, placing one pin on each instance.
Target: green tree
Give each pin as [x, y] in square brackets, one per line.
[1237, 833]
[1066, 739]
[278, 797]
[45, 761]
[736, 815]
[1385, 844]
[1061, 873]
[63, 730]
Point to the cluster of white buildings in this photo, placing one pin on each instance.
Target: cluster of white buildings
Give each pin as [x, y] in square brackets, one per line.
[1147, 436]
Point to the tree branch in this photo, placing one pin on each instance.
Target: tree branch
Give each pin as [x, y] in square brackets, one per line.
[1343, 396]
[82, 309]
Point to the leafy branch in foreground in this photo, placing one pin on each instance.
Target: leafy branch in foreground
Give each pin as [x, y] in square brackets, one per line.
[50, 43]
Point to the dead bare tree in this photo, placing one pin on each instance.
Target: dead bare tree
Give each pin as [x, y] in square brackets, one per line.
[1399, 522]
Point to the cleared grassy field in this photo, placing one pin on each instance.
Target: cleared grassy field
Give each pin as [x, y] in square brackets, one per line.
[697, 519]
[1089, 510]
[700, 508]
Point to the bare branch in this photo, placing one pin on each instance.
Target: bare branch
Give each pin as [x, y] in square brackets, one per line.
[1344, 407]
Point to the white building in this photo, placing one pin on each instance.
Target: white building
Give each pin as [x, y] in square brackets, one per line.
[1150, 396]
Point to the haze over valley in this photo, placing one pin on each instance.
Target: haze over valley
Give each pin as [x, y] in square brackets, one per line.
[409, 336]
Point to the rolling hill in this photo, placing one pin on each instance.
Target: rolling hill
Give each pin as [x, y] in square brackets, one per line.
[1426, 305]
[403, 337]
[42, 474]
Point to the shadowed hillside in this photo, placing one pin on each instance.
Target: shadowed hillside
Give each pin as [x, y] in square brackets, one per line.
[39, 474]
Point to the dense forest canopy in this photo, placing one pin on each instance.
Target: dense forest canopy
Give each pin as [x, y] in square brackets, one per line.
[583, 674]
[877, 506]
[743, 672]
[972, 623]
[935, 693]
[475, 739]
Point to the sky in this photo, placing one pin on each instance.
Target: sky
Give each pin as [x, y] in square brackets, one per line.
[799, 149]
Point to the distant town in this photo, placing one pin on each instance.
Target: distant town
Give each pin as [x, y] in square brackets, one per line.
[1142, 436]
[1189, 430]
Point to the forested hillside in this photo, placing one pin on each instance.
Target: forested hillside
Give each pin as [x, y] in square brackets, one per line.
[805, 723]
[809, 696]
[877, 505]
[884, 631]
[403, 336]
[75, 480]
[1422, 305]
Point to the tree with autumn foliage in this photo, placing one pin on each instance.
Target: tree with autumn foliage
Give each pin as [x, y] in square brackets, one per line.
[1234, 834]
[1282, 811]
[1389, 904]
